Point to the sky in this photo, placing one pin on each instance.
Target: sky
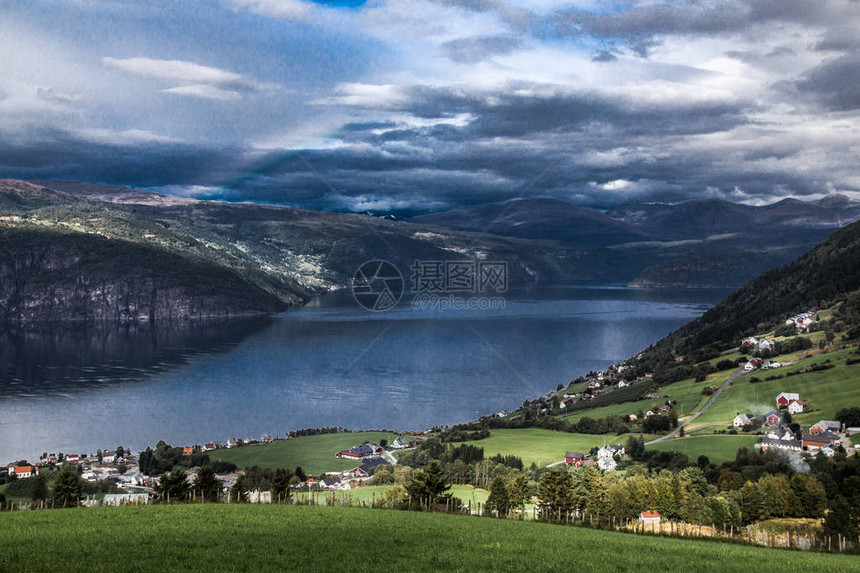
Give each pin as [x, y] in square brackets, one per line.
[412, 106]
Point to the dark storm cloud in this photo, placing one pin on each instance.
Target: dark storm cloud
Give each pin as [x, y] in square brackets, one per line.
[479, 48]
[834, 83]
[642, 25]
[51, 153]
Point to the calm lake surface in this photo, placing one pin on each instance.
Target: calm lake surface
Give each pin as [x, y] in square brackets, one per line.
[329, 363]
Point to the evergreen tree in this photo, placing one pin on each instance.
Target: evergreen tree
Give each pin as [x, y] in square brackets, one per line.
[206, 485]
[429, 485]
[555, 492]
[498, 502]
[173, 487]
[40, 488]
[842, 519]
[280, 486]
[67, 487]
[518, 492]
[239, 491]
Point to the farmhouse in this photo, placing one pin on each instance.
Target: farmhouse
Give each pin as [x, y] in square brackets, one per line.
[785, 398]
[796, 407]
[575, 458]
[399, 444]
[825, 426]
[366, 469]
[650, 516]
[790, 445]
[771, 419]
[360, 452]
[815, 441]
[108, 457]
[742, 420]
[334, 483]
[23, 471]
[783, 433]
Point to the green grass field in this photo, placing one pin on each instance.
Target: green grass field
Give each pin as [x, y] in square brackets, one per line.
[719, 449]
[542, 446]
[304, 539]
[825, 392]
[468, 494]
[314, 453]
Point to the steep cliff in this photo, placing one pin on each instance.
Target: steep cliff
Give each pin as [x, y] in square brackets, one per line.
[48, 275]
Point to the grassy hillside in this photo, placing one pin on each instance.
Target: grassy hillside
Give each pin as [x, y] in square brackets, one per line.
[314, 453]
[719, 449]
[289, 538]
[828, 271]
[542, 446]
[825, 391]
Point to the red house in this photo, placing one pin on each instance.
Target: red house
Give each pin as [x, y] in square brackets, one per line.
[574, 458]
[786, 398]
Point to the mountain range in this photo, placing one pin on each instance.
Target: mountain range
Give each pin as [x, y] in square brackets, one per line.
[80, 251]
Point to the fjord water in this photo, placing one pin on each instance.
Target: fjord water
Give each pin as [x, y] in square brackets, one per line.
[329, 363]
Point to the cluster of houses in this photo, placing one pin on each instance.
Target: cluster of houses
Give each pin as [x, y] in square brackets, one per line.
[597, 382]
[607, 458]
[802, 320]
[824, 436]
[754, 363]
[789, 401]
[754, 343]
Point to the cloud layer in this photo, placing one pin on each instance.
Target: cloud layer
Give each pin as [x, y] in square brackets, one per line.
[420, 105]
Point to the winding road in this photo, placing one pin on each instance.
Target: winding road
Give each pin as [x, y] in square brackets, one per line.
[739, 373]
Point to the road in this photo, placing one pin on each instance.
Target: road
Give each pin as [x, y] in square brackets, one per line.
[739, 373]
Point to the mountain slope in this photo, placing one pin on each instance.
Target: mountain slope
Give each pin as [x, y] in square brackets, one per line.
[270, 257]
[537, 219]
[830, 270]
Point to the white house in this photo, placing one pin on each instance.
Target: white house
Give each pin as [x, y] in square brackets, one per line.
[742, 420]
[647, 517]
[795, 407]
[399, 444]
[108, 457]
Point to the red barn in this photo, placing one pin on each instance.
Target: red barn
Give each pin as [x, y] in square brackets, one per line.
[575, 458]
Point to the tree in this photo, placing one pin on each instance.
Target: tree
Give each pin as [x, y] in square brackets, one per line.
[842, 519]
[498, 502]
[40, 488]
[749, 502]
[635, 447]
[280, 486]
[850, 417]
[383, 442]
[206, 485]
[120, 451]
[239, 491]
[518, 492]
[173, 486]
[429, 485]
[681, 432]
[67, 487]
[555, 492]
